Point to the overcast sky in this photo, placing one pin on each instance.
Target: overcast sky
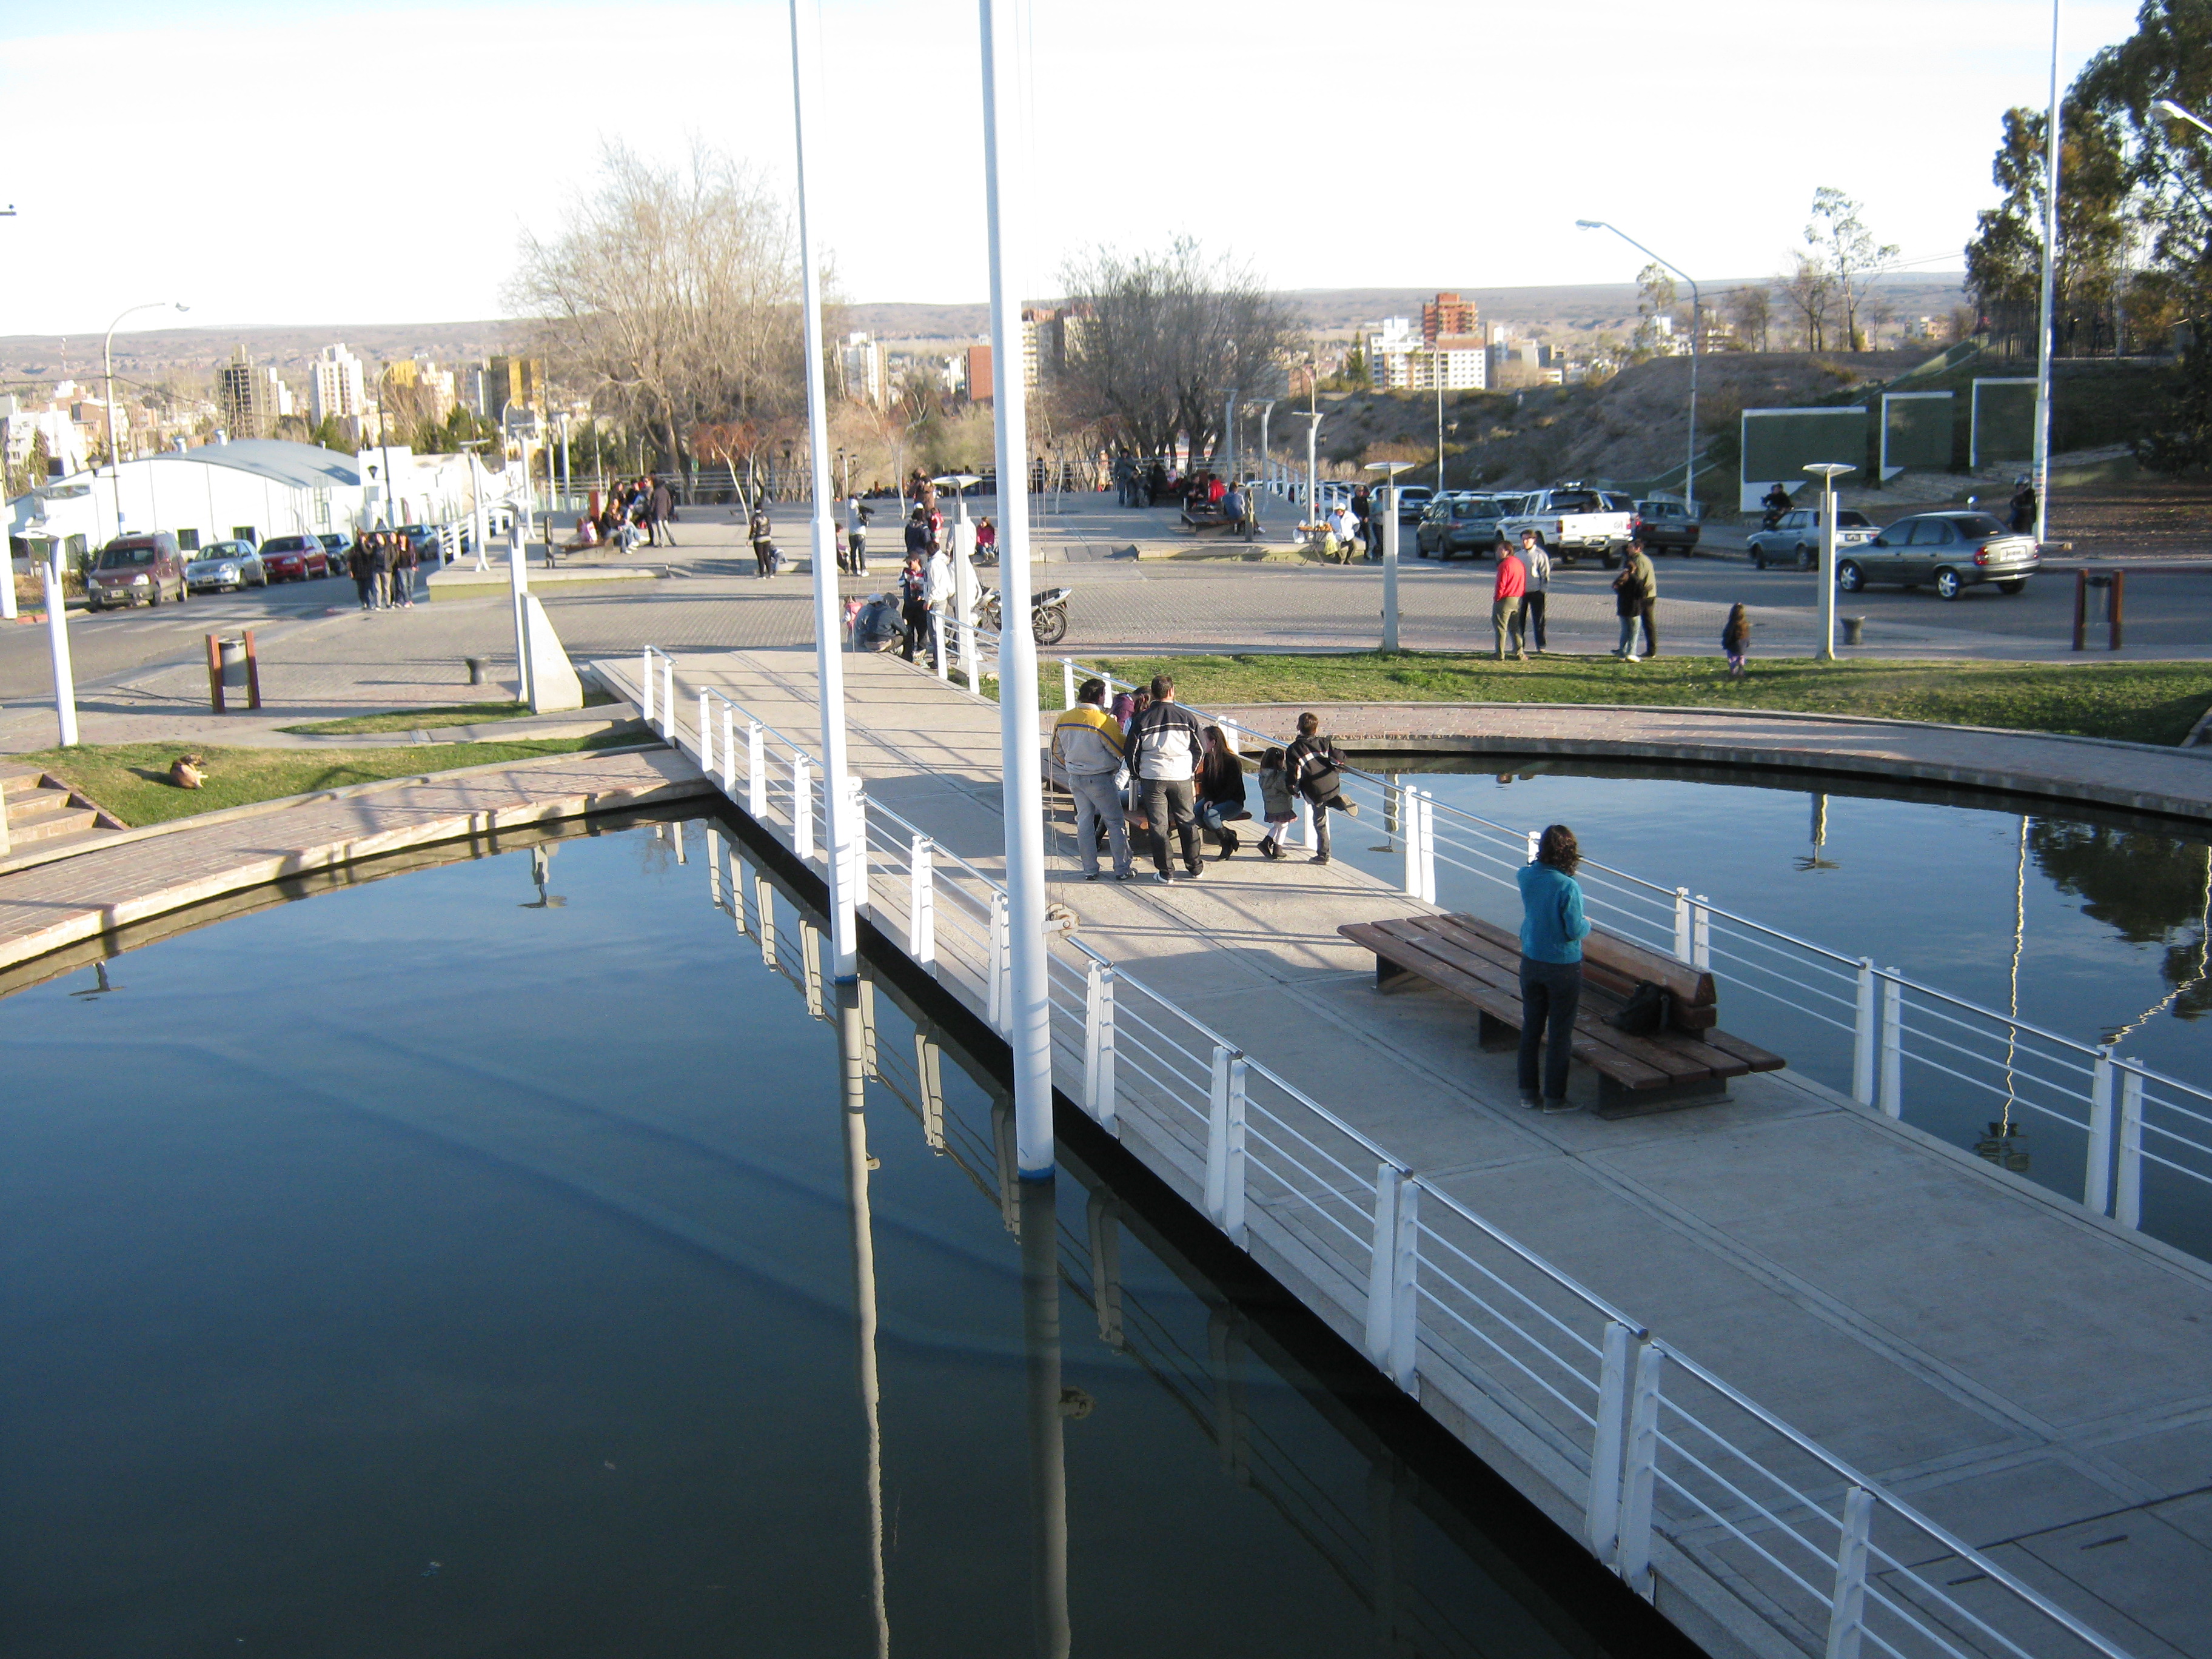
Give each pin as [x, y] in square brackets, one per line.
[240, 154]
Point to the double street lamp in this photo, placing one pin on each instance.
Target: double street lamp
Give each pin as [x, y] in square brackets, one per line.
[1696, 328]
[107, 363]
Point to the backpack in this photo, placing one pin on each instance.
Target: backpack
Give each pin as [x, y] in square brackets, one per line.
[1648, 1011]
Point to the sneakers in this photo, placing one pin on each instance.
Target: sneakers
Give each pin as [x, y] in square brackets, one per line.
[1552, 1108]
[1318, 857]
[1165, 878]
[1195, 869]
[1130, 874]
[1096, 875]
[1531, 1102]
[1350, 809]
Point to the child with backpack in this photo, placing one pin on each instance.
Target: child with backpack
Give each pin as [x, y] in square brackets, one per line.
[1276, 804]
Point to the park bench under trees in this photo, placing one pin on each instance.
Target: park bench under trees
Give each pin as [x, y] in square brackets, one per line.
[1686, 1063]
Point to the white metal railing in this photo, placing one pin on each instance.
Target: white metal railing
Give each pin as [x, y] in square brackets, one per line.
[1674, 1472]
[1885, 1039]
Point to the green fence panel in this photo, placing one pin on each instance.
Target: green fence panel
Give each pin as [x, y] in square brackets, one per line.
[2004, 422]
[1779, 444]
[1915, 430]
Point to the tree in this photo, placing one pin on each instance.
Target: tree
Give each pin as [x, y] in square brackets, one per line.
[1750, 312]
[1846, 252]
[1811, 292]
[1168, 336]
[1655, 291]
[671, 296]
[2185, 444]
[2004, 262]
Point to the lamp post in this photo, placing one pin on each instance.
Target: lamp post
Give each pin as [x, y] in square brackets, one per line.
[963, 578]
[1390, 470]
[1028, 1027]
[1697, 329]
[1828, 472]
[1313, 432]
[837, 786]
[107, 364]
[2050, 282]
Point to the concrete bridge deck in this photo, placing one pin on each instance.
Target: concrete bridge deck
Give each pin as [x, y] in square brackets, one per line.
[2029, 1375]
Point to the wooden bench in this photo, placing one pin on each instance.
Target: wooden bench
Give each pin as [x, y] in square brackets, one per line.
[1687, 1063]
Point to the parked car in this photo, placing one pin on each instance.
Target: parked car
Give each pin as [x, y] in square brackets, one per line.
[1666, 527]
[230, 565]
[1462, 522]
[1573, 519]
[136, 570]
[295, 558]
[427, 553]
[1948, 551]
[1795, 541]
[1412, 501]
[334, 552]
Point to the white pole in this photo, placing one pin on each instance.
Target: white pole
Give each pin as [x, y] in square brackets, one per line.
[1827, 651]
[518, 582]
[50, 572]
[1390, 566]
[1313, 433]
[1030, 1027]
[2050, 282]
[829, 659]
[8, 589]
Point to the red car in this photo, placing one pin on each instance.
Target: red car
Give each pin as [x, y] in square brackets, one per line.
[295, 558]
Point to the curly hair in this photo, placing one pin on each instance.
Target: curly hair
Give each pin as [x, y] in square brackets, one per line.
[1557, 848]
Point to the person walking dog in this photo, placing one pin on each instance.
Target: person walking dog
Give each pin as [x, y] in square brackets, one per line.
[1553, 928]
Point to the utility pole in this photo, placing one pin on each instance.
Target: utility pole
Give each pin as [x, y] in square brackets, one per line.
[2050, 283]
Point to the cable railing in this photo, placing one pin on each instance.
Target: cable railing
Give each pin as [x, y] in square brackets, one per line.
[1887, 1041]
[1671, 1473]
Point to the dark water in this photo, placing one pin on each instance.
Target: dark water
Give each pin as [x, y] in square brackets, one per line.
[443, 1267]
[2096, 924]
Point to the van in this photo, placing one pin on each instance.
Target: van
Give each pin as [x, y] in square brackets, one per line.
[136, 570]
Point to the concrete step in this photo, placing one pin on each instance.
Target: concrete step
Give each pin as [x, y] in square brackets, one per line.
[50, 825]
[27, 805]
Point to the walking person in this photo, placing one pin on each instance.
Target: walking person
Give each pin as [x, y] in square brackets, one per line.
[1276, 804]
[1311, 761]
[1636, 601]
[1363, 509]
[1539, 565]
[1735, 640]
[361, 566]
[659, 514]
[1553, 928]
[763, 539]
[380, 573]
[856, 534]
[1086, 742]
[1506, 599]
[1166, 742]
[914, 603]
[1221, 800]
[403, 572]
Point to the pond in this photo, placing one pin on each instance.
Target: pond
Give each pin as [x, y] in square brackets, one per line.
[2092, 925]
[504, 1257]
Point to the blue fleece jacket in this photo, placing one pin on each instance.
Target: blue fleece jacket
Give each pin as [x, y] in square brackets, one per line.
[1552, 926]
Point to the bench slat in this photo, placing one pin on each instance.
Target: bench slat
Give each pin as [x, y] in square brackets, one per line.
[1606, 954]
[1755, 1059]
[1597, 973]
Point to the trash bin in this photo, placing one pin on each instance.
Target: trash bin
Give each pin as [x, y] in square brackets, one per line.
[1854, 630]
[232, 670]
[2100, 597]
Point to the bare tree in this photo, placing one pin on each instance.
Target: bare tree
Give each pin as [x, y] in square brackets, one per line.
[1847, 253]
[671, 297]
[1163, 339]
[1811, 293]
[1750, 312]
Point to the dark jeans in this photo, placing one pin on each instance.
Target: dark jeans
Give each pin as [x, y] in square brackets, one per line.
[366, 587]
[1533, 615]
[1649, 612]
[1550, 992]
[916, 619]
[1172, 803]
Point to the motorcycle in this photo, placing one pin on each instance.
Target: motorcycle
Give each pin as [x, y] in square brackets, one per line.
[1047, 613]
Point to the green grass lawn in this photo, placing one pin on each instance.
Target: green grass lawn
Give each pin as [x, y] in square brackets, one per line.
[131, 780]
[424, 719]
[2139, 702]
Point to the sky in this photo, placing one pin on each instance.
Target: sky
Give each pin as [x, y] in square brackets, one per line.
[307, 161]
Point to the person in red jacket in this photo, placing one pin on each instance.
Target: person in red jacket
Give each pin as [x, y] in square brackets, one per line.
[1505, 604]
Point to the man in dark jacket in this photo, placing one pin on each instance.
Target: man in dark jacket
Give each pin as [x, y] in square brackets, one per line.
[1166, 743]
[659, 510]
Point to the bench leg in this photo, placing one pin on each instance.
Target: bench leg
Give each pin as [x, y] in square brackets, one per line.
[1389, 976]
[1494, 1034]
[1615, 1101]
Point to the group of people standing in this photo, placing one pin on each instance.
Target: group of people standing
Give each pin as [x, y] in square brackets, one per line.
[382, 563]
[1522, 591]
[1149, 765]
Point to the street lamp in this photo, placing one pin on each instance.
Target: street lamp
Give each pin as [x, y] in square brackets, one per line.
[107, 362]
[1313, 432]
[2167, 106]
[1390, 470]
[2050, 282]
[1696, 328]
[1828, 472]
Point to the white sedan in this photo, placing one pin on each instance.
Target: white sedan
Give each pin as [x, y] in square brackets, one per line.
[221, 565]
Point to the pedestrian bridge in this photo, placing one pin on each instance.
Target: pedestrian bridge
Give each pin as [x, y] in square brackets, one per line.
[1811, 1380]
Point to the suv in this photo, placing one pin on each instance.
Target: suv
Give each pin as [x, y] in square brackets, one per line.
[1947, 551]
[1462, 522]
[1413, 501]
[135, 570]
[1572, 519]
[1796, 538]
[1666, 527]
[295, 558]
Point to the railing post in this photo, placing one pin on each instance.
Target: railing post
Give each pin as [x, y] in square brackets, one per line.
[1847, 1609]
[706, 738]
[1682, 924]
[645, 686]
[921, 905]
[668, 698]
[1602, 1515]
[1426, 822]
[1067, 682]
[802, 806]
[1224, 1145]
[1409, 821]
[1863, 1033]
[676, 835]
[1099, 1097]
[1536, 840]
[995, 970]
[858, 820]
[2127, 1197]
[764, 910]
[937, 639]
[1305, 822]
[714, 866]
[1701, 934]
[1393, 1277]
[757, 770]
[729, 749]
[2097, 1176]
[1892, 1044]
[1638, 1472]
[929, 1078]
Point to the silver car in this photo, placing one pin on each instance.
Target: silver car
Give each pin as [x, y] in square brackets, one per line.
[1794, 543]
[221, 565]
[1950, 552]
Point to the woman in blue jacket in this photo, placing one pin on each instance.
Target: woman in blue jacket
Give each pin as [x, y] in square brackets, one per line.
[1553, 928]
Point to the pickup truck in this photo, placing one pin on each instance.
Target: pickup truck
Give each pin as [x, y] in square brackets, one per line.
[1572, 519]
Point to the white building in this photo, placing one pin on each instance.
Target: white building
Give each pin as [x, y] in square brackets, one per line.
[334, 386]
[20, 427]
[1399, 359]
[861, 361]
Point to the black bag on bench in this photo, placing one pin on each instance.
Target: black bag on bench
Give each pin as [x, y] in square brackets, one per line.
[1648, 1011]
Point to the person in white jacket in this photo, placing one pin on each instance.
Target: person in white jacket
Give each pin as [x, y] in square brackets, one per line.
[1539, 586]
[937, 591]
